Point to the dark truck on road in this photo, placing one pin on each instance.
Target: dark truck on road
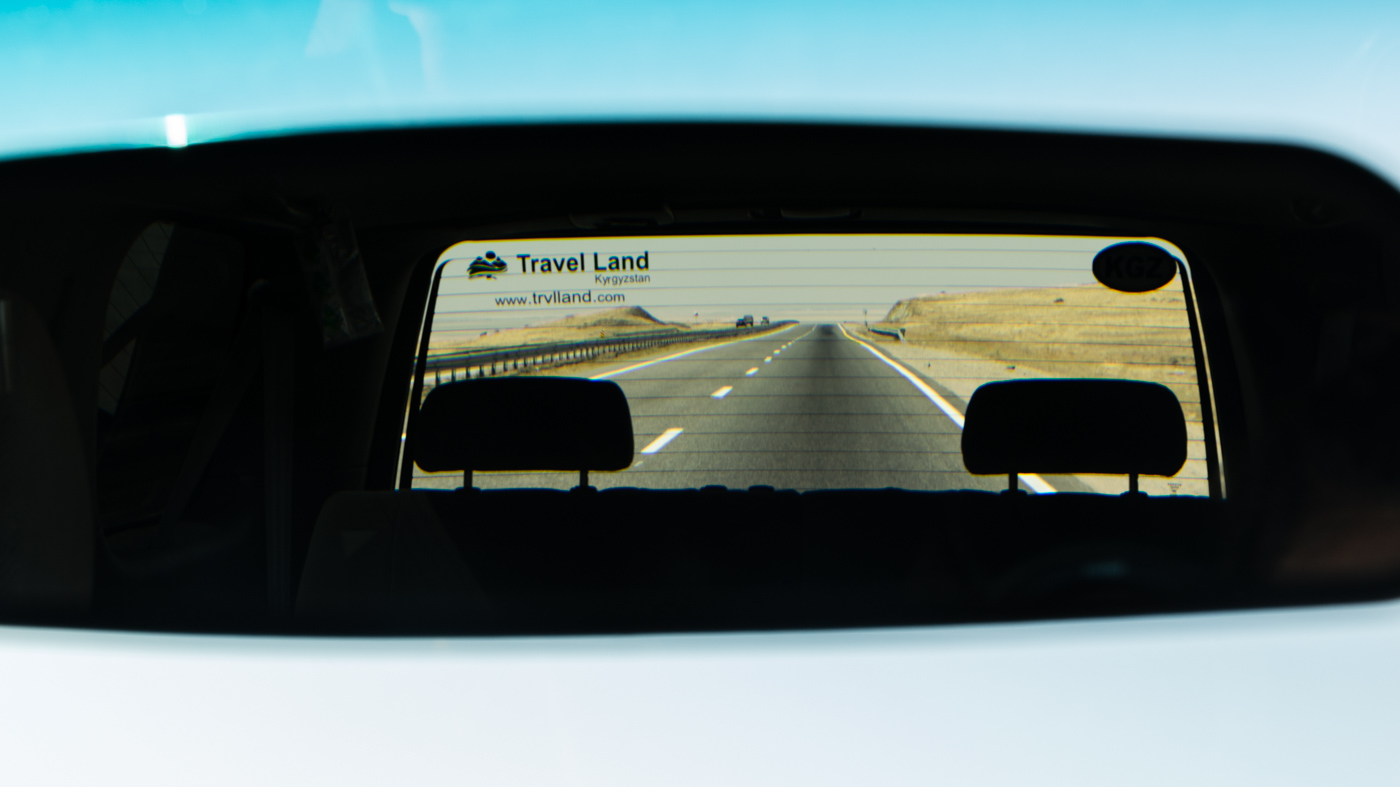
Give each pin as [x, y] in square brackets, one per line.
[744, 322]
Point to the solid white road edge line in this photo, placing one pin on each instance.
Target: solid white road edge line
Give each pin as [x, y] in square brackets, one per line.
[723, 392]
[1032, 480]
[634, 367]
[661, 441]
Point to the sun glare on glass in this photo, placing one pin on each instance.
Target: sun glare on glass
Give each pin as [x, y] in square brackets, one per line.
[175, 135]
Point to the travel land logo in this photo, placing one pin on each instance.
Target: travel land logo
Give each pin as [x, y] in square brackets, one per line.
[486, 267]
[614, 270]
[611, 271]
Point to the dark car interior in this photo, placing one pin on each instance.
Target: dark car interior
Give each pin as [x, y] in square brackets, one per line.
[212, 365]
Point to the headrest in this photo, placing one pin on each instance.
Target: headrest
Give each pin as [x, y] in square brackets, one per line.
[1113, 427]
[525, 423]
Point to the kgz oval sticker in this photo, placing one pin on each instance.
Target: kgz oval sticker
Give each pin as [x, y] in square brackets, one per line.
[1134, 267]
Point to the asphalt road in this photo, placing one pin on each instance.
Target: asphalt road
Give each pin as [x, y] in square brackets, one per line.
[803, 408]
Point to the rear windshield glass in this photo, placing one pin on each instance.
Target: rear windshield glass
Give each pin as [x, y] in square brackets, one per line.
[808, 361]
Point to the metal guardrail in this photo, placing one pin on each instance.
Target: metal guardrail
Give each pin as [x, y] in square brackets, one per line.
[892, 334]
[509, 360]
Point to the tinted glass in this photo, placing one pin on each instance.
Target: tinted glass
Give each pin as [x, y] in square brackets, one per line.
[808, 362]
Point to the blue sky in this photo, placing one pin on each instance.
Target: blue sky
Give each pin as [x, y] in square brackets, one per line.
[96, 73]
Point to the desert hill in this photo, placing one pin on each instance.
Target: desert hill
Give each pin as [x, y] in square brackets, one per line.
[618, 321]
[1084, 331]
[620, 317]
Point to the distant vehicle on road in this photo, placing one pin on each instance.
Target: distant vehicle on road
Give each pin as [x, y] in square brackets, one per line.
[763, 321]
[744, 322]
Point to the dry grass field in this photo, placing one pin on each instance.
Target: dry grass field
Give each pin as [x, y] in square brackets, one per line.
[1088, 331]
[601, 324]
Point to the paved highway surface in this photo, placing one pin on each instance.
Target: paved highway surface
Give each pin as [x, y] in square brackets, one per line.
[807, 407]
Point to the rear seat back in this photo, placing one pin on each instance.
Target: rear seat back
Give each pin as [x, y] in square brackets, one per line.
[1032, 547]
[391, 556]
[46, 520]
[384, 559]
[537, 559]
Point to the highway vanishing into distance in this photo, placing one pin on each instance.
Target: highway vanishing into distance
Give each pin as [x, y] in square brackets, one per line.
[807, 407]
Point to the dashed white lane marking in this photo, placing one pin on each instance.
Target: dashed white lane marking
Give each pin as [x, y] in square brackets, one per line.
[723, 392]
[661, 441]
[1032, 480]
[634, 367]
[751, 372]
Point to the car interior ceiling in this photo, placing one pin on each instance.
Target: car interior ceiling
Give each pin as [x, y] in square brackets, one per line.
[247, 482]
